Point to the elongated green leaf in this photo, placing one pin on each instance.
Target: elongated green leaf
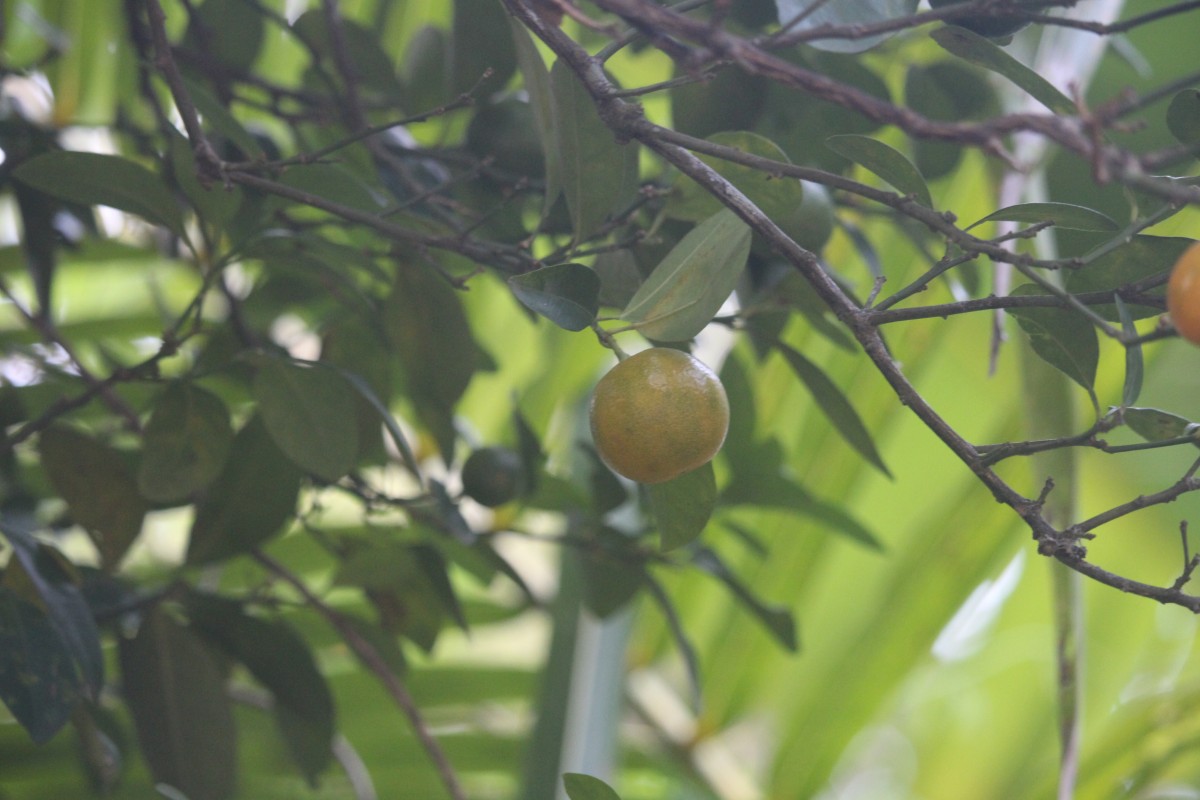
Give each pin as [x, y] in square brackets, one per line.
[1063, 338]
[478, 44]
[186, 441]
[689, 286]
[836, 406]
[99, 487]
[282, 662]
[585, 787]
[335, 183]
[885, 161]
[94, 179]
[776, 197]
[778, 621]
[250, 500]
[1156, 425]
[566, 294]
[978, 50]
[1139, 258]
[228, 31]
[599, 175]
[860, 12]
[541, 98]
[176, 691]
[1183, 116]
[39, 682]
[1134, 365]
[682, 506]
[1062, 215]
[309, 411]
[219, 123]
[372, 67]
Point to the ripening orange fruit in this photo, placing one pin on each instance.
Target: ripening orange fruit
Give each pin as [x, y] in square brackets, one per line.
[658, 414]
[1183, 294]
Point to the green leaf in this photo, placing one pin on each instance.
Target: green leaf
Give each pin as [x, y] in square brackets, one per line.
[585, 787]
[309, 411]
[978, 50]
[861, 12]
[429, 330]
[1061, 337]
[884, 161]
[947, 91]
[215, 203]
[1061, 215]
[612, 573]
[1183, 116]
[566, 294]
[1156, 425]
[477, 43]
[1139, 258]
[175, 689]
[778, 621]
[777, 197]
[217, 120]
[599, 175]
[39, 682]
[98, 486]
[372, 67]
[95, 179]
[185, 443]
[250, 500]
[1134, 365]
[334, 183]
[283, 663]
[689, 286]
[541, 98]
[836, 406]
[682, 506]
[229, 32]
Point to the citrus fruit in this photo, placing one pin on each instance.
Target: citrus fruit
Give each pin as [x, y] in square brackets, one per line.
[658, 414]
[996, 26]
[1183, 294]
[493, 476]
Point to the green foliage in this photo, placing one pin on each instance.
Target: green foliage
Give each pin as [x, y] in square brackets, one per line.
[296, 496]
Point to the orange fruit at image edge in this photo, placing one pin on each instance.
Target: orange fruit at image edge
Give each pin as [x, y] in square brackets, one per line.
[1183, 294]
[658, 414]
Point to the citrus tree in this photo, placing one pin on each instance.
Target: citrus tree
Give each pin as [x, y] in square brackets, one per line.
[479, 398]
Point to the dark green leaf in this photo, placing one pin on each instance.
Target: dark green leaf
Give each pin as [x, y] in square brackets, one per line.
[334, 183]
[778, 621]
[541, 98]
[1062, 215]
[884, 161]
[227, 31]
[176, 692]
[222, 125]
[427, 326]
[1183, 116]
[1134, 367]
[281, 661]
[186, 441]
[978, 50]
[947, 91]
[612, 573]
[478, 44]
[249, 502]
[1155, 425]
[1061, 337]
[682, 506]
[215, 203]
[777, 197]
[39, 681]
[309, 411]
[599, 175]
[95, 179]
[836, 406]
[732, 100]
[585, 787]
[373, 69]
[99, 487]
[689, 286]
[862, 12]
[566, 294]
[1139, 258]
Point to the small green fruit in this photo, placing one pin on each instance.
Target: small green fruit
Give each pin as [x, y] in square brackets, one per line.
[493, 476]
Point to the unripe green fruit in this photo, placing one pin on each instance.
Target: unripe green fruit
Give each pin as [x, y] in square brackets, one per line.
[493, 476]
